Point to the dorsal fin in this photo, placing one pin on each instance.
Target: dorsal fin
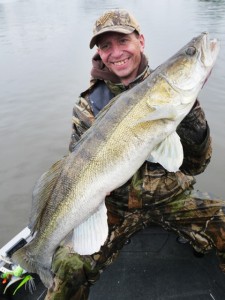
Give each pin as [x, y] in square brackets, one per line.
[42, 191]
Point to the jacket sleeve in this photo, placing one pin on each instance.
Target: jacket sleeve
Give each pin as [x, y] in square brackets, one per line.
[82, 119]
[195, 137]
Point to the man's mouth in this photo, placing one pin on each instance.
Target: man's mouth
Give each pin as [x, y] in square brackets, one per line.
[120, 63]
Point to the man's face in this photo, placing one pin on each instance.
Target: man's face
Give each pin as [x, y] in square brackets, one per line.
[121, 53]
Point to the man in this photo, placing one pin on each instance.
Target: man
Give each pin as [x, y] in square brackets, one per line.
[152, 194]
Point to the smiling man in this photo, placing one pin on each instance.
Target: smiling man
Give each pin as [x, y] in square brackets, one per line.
[119, 62]
[120, 44]
[121, 54]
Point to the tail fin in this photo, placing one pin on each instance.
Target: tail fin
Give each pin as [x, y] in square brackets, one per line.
[24, 258]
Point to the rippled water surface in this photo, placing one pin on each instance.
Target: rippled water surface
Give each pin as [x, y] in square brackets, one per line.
[44, 65]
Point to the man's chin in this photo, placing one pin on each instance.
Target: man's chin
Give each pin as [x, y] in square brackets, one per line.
[121, 74]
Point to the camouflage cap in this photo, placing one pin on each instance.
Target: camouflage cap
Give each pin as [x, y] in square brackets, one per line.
[116, 20]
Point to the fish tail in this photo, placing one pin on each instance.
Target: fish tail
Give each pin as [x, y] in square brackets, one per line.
[24, 258]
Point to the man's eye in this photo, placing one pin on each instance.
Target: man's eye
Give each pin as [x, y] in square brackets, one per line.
[123, 41]
[104, 47]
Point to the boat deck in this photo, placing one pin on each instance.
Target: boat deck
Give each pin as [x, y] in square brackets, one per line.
[154, 266]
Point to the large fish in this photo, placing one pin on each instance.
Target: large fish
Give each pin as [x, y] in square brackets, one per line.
[137, 125]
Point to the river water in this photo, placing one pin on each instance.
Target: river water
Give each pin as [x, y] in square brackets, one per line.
[45, 63]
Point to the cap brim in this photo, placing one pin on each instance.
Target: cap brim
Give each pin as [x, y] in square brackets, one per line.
[119, 29]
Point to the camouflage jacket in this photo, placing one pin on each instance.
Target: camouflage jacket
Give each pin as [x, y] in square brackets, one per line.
[151, 182]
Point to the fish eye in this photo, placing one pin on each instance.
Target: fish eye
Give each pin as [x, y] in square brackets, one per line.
[191, 51]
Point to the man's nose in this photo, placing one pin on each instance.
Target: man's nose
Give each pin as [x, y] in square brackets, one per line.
[116, 50]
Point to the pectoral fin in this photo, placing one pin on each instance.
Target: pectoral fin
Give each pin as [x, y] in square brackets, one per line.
[169, 153]
[89, 236]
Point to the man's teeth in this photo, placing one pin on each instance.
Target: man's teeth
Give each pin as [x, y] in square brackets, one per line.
[119, 63]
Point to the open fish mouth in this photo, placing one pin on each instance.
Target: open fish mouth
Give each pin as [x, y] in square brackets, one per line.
[211, 48]
[213, 44]
[210, 52]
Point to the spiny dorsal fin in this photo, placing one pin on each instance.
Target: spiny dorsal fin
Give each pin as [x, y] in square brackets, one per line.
[42, 191]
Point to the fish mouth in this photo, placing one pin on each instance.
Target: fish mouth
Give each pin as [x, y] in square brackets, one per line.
[211, 48]
[214, 48]
[213, 44]
[209, 53]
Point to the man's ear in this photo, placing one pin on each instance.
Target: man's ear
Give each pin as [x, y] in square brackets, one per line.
[142, 42]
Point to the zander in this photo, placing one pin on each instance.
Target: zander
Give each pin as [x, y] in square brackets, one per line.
[137, 125]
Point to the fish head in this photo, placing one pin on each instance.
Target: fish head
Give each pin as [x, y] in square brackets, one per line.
[188, 70]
